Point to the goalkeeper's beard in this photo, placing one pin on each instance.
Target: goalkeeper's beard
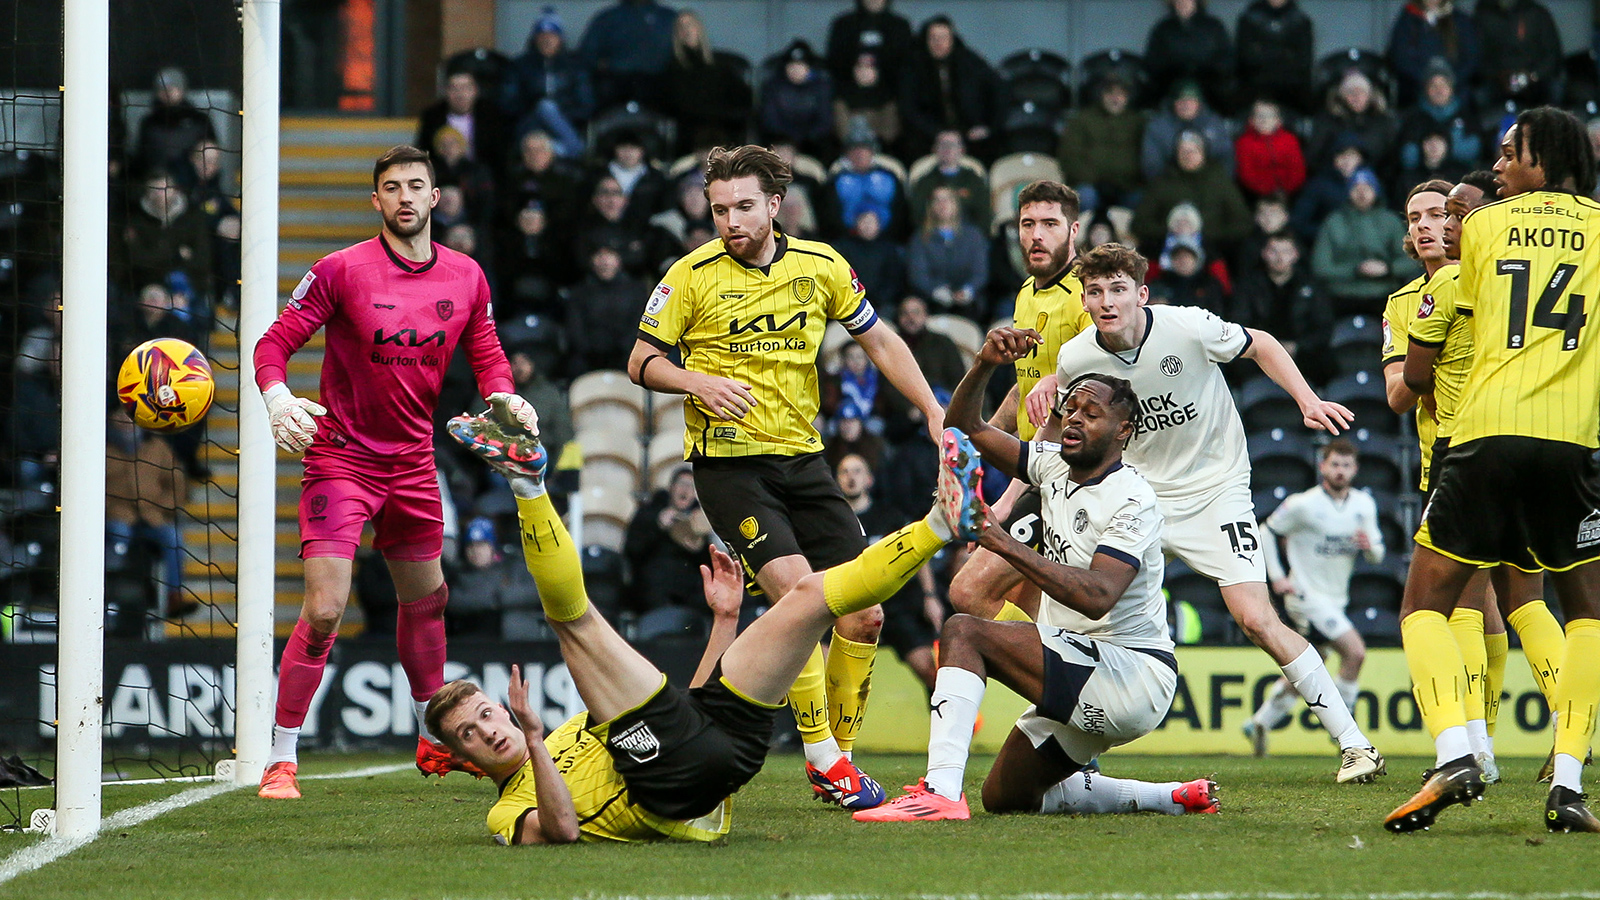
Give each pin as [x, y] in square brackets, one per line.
[417, 226]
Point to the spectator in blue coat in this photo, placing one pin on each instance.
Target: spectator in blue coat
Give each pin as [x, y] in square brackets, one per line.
[864, 186]
[1441, 109]
[627, 48]
[797, 102]
[1427, 30]
[548, 88]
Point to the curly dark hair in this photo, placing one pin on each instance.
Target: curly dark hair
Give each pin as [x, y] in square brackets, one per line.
[1111, 259]
[1559, 143]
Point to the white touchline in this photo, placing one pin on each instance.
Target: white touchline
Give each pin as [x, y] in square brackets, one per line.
[51, 849]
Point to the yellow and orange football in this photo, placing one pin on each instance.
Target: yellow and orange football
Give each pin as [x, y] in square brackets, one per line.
[166, 385]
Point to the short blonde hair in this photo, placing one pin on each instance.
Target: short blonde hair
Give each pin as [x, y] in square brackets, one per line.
[445, 701]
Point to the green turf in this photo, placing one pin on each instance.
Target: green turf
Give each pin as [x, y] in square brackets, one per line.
[1285, 829]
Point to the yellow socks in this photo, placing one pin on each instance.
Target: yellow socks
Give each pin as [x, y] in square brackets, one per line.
[1496, 647]
[552, 559]
[1467, 627]
[880, 570]
[1578, 688]
[849, 682]
[1543, 644]
[1438, 676]
[1010, 612]
[809, 700]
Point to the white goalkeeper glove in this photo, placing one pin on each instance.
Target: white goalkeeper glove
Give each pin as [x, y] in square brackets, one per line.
[521, 410]
[293, 419]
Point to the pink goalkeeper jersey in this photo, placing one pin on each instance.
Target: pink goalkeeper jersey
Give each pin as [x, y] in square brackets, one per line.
[392, 327]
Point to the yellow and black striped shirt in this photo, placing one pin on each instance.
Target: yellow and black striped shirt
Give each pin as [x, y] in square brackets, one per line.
[759, 326]
[599, 796]
[1056, 312]
[1529, 274]
[1398, 314]
[1439, 325]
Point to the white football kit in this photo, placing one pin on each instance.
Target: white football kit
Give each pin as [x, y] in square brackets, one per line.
[1321, 534]
[1189, 443]
[1110, 680]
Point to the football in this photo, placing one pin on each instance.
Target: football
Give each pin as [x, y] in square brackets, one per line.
[166, 385]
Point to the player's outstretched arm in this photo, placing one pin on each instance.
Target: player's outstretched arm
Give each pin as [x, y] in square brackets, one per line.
[723, 583]
[554, 820]
[1320, 414]
[724, 398]
[893, 358]
[1092, 591]
[1002, 347]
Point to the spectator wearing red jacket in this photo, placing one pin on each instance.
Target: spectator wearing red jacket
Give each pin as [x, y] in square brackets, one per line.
[1267, 155]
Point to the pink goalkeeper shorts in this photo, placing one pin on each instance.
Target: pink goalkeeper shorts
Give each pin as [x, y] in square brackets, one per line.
[343, 490]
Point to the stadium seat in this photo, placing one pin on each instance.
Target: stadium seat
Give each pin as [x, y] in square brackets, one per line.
[883, 160]
[1381, 585]
[538, 336]
[1357, 344]
[1011, 173]
[1188, 589]
[925, 165]
[1125, 63]
[1281, 458]
[833, 341]
[666, 414]
[602, 579]
[1377, 625]
[1267, 500]
[1384, 461]
[1035, 61]
[1391, 520]
[810, 167]
[683, 165]
[967, 335]
[658, 132]
[1031, 127]
[1265, 406]
[606, 401]
[1363, 393]
[669, 621]
[664, 456]
[1328, 70]
[607, 509]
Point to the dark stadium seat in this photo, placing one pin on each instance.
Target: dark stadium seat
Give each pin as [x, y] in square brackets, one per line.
[543, 339]
[1357, 344]
[1384, 461]
[1199, 594]
[1032, 128]
[1125, 63]
[1265, 501]
[1281, 458]
[658, 132]
[1265, 406]
[1378, 626]
[602, 578]
[1391, 520]
[488, 66]
[1381, 585]
[1040, 77]
[1325, 76]
[1363, 393]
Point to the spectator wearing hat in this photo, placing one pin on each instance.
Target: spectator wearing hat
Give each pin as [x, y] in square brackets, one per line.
[870, 28]
[948, 86]
[1329, 188]
[972, 189]
[479, 590]
[1100, 146]
[1185, 281]
[172, 126]
[1440, 110]
[1186, 111]
[474, 116]
[627, 47]
[1275, 49]
[165, 236]
[864, 185]
[1190, 43]
[879, 263]
[548, 87]
[866, 96]
[665, 544]
[849, 435]
[1522, 57]
[1432, 160]
[797, 102]
[1205, 184]
[1360, 256]
[606, 296]
[1426, 30]
[948, 260]
[1353, 107]
[1278, 295]
[472, 180]
[1268, 155]
[706, 93]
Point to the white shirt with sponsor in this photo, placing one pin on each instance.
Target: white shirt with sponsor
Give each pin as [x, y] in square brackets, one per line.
[1321, 534]
[1189, 440]
[1115, 514]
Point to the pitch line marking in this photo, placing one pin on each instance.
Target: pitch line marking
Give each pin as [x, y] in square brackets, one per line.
[51, 849]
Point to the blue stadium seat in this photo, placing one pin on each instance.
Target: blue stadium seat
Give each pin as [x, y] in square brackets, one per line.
[1363, 393]
[1281, 458]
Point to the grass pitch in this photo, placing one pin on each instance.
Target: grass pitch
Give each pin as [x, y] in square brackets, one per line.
[1285, 831]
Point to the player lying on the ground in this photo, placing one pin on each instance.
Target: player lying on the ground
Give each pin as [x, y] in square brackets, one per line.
[649, 761]
[1098, 667]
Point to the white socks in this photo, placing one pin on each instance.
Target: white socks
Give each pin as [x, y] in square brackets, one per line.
[940, 527]
[1478, 735]
[823, 754]
[420, 707]
[1348, 691]
[1313, 683]
[1569, 773]
[284, 741]
[1277, 707]
[1452, 743]
[1090, 793]
[953, 710]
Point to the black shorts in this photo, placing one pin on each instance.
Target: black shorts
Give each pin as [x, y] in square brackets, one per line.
[1026, 522]
[683, 752]
[905, 625]
[1441, 449]
[765, 507]
[1528, 502]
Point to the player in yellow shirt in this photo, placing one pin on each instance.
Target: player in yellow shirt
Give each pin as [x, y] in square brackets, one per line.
[1050, 303]
[648, 761]
[1519, 484]
[746, 314]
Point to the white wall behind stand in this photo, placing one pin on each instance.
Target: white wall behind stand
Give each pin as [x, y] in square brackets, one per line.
[996, 28]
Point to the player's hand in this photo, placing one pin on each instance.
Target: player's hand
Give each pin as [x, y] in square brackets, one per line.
[520, 409]
[1363, 543]
[1041, 400]
[1007, 345]
[1283, 587]
[725, 398]
[1325, 415]
[527, 719]
[723, 582]
[293, 419]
